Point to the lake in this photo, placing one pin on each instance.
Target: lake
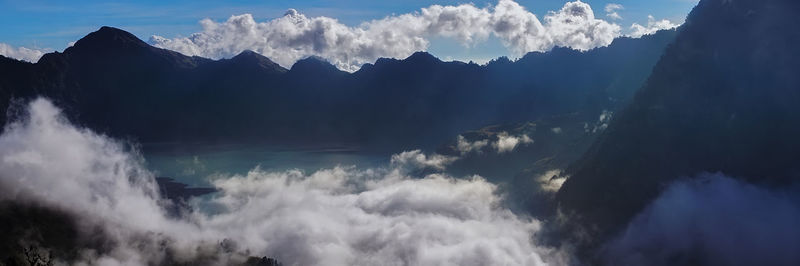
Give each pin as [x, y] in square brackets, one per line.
[197, 164]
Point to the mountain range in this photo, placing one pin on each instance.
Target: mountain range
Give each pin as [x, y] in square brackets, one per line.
[717, 95]
[113, 82]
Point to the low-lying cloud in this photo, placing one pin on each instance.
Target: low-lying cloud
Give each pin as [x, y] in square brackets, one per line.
[507, 143]
[601, 124]
[551, 181]
[501, 142]
[21, 53]
[713, 220]
[417, 160]
[465, 146]
[339, 216]
[295, 36]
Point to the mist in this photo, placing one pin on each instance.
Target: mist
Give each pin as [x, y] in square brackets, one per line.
[340, 216]
[712, 220]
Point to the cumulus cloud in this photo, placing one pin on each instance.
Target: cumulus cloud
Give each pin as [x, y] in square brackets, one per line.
[611, 11]
[464, 146]
[507, 143]
[652, 27]
[21, 53]
[339, 216]
[576, 27]
[295, 36]
[713, 220]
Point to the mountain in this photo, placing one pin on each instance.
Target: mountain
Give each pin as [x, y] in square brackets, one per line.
[117, 84]
[36, 234]
[252, 60]
[723, 98]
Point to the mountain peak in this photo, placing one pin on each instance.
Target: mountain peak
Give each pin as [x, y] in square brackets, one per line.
[250, 57]
[109, 38]
[248, 54]
[421, 57]
[314, 63]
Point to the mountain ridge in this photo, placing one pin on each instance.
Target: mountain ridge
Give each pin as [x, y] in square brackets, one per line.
[105, 35]
[720, 99]
[151, 94]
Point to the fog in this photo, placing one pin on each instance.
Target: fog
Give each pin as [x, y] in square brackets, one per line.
[347, 215]
[340, 216]
[713, 220]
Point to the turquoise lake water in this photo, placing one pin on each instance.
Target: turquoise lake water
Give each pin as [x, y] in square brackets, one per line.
[197, 164]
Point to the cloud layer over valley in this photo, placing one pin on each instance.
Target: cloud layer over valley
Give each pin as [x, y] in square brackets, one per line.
[338, 216]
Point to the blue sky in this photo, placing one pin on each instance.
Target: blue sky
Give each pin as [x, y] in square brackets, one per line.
[53, 24]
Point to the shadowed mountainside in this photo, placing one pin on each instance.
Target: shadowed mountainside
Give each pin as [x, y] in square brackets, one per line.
[115, 83]
[723, 98]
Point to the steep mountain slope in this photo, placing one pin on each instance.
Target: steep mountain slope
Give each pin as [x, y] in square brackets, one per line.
[723, 98]
[115, 83]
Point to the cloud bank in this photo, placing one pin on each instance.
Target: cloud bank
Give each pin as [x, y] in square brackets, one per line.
[21, 53]
[339, 216]
[295, 36]
[714, 220]
[652, 27]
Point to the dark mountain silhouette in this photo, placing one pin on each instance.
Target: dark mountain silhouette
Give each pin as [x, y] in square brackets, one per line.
[113, 82]
[723, 98]
[35, 234]
[252, 60]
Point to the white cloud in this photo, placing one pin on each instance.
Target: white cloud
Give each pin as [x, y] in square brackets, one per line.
[22, 53]
[339, 216]
[551, 180]
[320, 220]
[295, 36]
[417, 160]
[464, 146]
[652, 27]
[507, 143]
[601, 124]
[575, 26]
[611, 11]
[715, 220]
[502, 144]
[45, 159]
[556, 130]
[524, 139]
